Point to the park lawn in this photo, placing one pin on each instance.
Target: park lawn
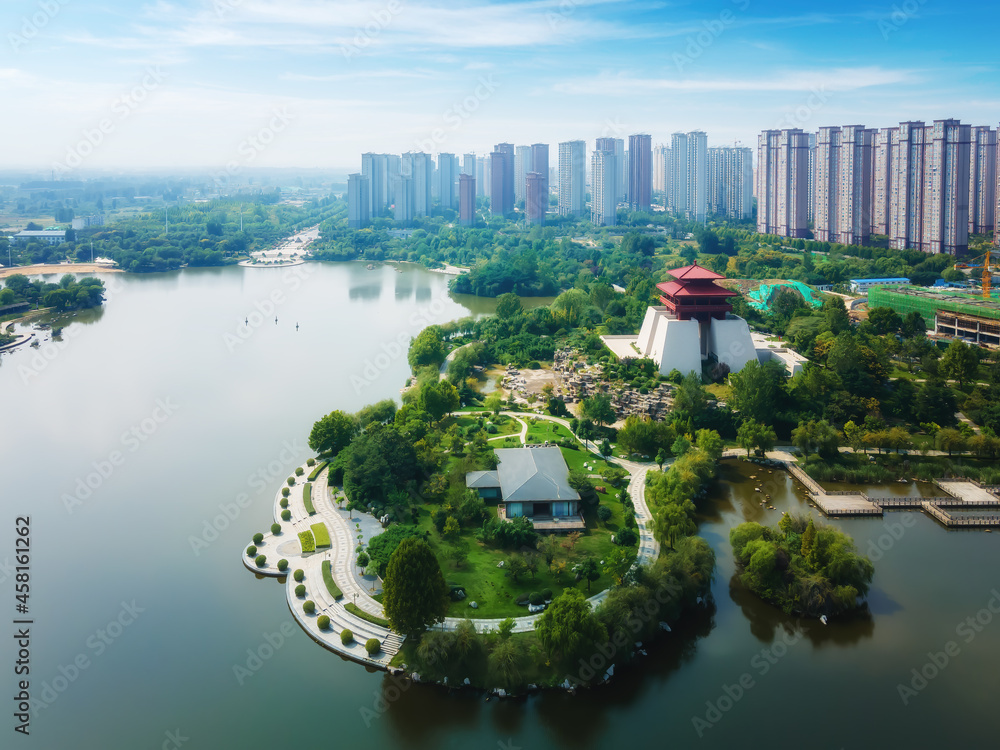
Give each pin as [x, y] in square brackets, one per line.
[721, 391]
[510, 441]
[322, 535]
[544, 430]
[510, 425]
[307, 499]
[576, 459]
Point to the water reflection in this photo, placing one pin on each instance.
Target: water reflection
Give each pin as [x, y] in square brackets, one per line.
[365, 292]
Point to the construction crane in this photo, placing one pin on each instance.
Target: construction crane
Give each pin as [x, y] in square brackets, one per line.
[987, 271]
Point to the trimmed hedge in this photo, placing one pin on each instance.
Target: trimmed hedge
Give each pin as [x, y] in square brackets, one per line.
[260, 560]
[258, 538]
[322, 535]
[286, 515]
[309, 607]
[331, 586]
[300, 590]
[291, 481]
[299, 471]
[354, 609]
[275, 528]
[315, 472]
[346, 636]
[307, 499]
[310, 462]
[323, 621]
[307, 541]
[284, 502]
[282, 565]
[373, 646]
[251, 551]
[298, 575]
[285, 491]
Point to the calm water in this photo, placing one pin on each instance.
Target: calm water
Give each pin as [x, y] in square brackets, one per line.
[185, 409]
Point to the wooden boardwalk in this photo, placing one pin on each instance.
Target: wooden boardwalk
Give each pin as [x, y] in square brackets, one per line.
[961, 495]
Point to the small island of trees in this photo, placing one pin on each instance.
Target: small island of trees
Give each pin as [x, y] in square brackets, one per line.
[801, 567]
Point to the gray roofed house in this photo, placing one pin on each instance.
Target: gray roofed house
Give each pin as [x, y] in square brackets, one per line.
[534, 483]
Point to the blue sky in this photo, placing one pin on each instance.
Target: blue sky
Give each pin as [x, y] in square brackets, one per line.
[109, 84]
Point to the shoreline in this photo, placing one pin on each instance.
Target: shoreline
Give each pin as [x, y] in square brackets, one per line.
[51, 269]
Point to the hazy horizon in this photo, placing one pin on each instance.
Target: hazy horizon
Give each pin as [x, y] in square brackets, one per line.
[240, 85]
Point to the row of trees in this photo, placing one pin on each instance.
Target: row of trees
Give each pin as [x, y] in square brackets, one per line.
[68, 294]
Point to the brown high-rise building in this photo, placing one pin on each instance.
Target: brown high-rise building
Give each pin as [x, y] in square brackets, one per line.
[782, 180]
[466, 200]
[502, 180]
[982, 180]
[536, 199]
[540, 164]
[854, 186]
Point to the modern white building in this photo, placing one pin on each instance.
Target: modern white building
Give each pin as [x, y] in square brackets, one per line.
[604, 175]
[572, 178]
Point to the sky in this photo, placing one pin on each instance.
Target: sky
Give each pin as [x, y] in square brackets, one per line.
[225, 85]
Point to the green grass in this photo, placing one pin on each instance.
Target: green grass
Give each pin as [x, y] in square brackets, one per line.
[576, 459]
[322, 535]
[354, 609]
[307, 499]
[315, 472]
[332, 587]
[307, 541]
[544, 430]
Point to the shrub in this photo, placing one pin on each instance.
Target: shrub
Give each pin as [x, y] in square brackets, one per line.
[535, 598]
[604, 513]
[346, 636]
[626, 538]
[285, 491]
[299, 471]
[260, 560]
[310, 462]
[286, 515]
[308, 541]
[332, 587]
[284, 502]
[546, 594]
[298, 575]
[258, 538]
[300, 590]
[309, 607]
[275, 528]
[251, 551]
[291, 481]
[372, 646]
[521, 599]
[282, 565]
[323, 621]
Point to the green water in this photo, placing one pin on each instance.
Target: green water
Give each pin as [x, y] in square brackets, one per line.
[241, 403]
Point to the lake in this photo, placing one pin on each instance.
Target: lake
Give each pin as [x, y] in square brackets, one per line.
[134, 442]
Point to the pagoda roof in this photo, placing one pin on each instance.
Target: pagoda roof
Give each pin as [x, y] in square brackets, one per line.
[694, 272]
[677, 289]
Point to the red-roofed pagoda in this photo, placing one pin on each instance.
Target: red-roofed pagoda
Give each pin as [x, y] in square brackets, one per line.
[695, 295]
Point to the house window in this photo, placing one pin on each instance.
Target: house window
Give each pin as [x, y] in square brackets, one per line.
[560, 509]
[514, 510]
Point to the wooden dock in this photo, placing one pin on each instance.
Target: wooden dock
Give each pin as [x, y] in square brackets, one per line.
[961, 495]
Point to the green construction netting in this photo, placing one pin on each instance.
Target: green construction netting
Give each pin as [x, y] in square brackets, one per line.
[760, 298]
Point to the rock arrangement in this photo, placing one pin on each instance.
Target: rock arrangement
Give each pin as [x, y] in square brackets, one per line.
[578, 380]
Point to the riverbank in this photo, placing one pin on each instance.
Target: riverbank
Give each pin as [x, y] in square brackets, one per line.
[45, 269]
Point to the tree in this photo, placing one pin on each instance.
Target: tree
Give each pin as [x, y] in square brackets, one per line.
[381, 411]
[808, 539]
[506, 660]
[438, 398]
[960, 362]
[549, 546]
[333, 433]
[427, 348]
[884, 320]
[674, 522]
[569, 626]
[589, 570]
[508, 306]
[758, 390]
[451, 528]
[363, 560]
[950, 440]
[816, 436]
[599, 409]
[681, 446]
[711, 442]
[516, 566]
[661, 457]
[754, 435]
[618, 563]
[415, 594]
[605, 448]
[494, 402]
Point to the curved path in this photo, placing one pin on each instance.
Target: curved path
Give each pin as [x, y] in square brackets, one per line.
[285, 545]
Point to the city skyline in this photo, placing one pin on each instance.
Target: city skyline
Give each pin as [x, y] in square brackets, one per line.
[241, 84]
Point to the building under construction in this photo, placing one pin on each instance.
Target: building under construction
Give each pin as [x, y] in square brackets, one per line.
[947, 313]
